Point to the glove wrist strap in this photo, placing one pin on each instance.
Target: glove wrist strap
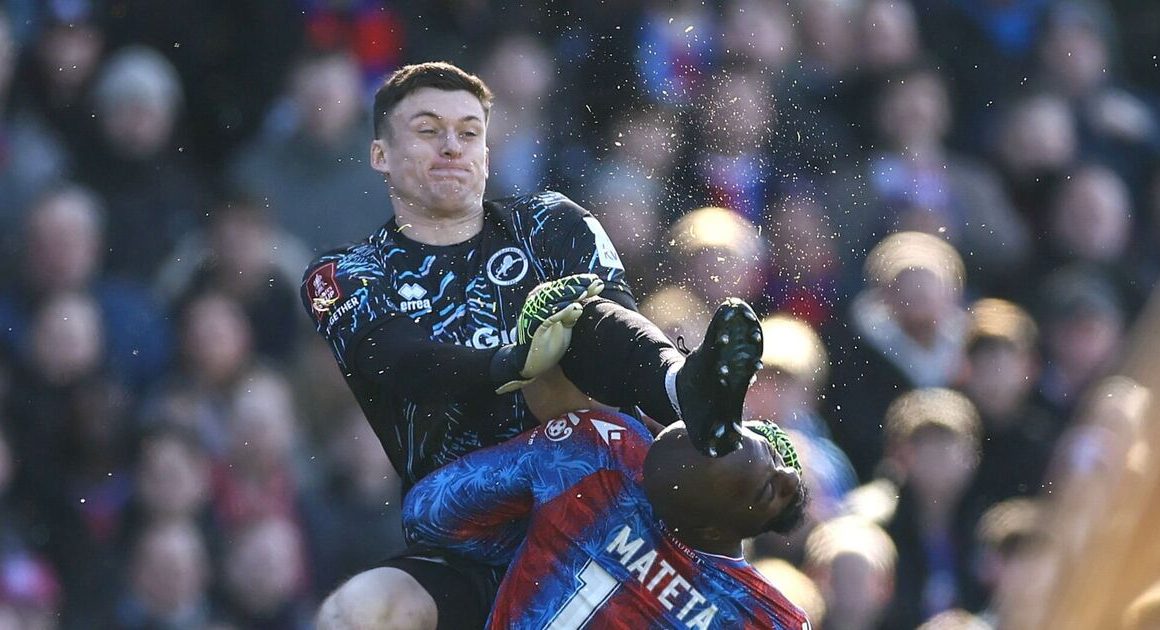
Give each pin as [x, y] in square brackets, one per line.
[506, 364]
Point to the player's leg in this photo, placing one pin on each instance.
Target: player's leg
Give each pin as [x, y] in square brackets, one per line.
[621, 358]
[427, 590]
[384, 597]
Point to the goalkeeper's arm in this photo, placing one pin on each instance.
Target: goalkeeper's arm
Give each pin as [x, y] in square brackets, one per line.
[399, 355]
[544, 330]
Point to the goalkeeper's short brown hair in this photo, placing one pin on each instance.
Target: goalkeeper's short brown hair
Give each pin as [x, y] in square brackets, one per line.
[433, 74]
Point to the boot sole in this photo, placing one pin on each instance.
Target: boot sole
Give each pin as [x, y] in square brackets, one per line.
[737, 346]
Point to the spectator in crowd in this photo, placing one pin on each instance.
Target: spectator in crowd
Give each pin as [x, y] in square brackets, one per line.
[595, 51]
[59, 70]
[675, 55]
[852, 560]
[633, 188]
[1034, 143]
[62, 249]
[1090, 221]
[169, 580]
[153, 190]
[30, 592]
[246, 255]
[265, 573]
[1082, 320]
[988, 48]
[1116, 126]
[758, 33]
[717, 253]
[214, 355]
[257, 478]
[934, 435]
[30, 155]
[70, 435]
[306, 167]
[732, 166]
[1019, 433]
[361, 521]
[818, 95]
[914, 181]
[173, 484]
[1007, 535]
[519, 66]
[906, 329]
[888, 43]
[231, 55]
[805, 270]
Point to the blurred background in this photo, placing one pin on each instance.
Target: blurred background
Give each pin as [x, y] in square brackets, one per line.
[947, 210]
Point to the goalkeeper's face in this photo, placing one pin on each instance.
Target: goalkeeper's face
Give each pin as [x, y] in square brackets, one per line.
[762, 492]
[434, 154]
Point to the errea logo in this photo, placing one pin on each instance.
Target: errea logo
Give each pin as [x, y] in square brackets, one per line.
[411, 291]
[412, 295]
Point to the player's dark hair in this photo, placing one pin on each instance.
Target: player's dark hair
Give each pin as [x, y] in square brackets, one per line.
[433, 74]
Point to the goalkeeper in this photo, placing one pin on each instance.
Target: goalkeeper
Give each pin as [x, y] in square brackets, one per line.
[439, 318]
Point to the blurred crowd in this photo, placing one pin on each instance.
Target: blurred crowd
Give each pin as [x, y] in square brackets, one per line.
[947, 210]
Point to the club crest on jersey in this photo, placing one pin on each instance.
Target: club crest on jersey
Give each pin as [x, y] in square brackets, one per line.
[413, 298]
[561, 428]
[507, 266]
[322, 290]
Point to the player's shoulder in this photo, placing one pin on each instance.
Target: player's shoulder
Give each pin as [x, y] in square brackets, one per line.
[605, 428]
[359, 257]
[538, 204]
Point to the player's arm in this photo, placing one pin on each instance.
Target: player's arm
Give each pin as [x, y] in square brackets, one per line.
[476, 506]
[370, 335]
[345, 294]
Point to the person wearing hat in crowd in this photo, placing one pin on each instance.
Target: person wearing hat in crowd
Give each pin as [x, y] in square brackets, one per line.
[905, 330]
[852, 560]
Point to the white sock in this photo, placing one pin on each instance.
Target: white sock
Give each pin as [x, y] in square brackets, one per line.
[671, 387]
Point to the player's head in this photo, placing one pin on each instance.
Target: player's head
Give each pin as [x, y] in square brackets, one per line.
[756, 489]
[431, 137]
[432, 74]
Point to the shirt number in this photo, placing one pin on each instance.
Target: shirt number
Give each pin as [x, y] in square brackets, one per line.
[596, 586]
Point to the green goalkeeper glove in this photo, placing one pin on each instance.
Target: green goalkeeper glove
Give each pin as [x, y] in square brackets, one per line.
[543, 330]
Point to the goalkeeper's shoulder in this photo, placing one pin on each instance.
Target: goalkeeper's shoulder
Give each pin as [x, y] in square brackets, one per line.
[540, 206]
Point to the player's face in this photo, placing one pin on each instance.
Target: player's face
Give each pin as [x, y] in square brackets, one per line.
[435, 156]
[764, 488]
